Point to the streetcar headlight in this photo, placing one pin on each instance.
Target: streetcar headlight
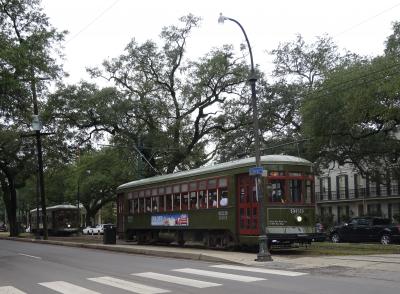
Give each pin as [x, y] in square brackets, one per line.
[68, 225]
[299, 218]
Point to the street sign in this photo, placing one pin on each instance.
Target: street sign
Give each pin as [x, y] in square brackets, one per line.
[258, 170]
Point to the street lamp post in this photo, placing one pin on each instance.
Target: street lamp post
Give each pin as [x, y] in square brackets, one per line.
[263, 253]
[37, 126]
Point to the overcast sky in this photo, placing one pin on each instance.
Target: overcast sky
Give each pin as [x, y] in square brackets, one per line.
[100, 29]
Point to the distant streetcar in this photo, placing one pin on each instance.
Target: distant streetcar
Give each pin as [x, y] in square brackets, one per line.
[217, 205]
[61, 219]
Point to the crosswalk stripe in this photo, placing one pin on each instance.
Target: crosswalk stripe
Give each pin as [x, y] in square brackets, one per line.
[67, 288]
[10, 290]
[259, 270]
[128, 286]
[220, 275]
[177, 280]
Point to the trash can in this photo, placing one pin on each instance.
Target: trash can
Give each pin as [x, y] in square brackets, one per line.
[110, 234]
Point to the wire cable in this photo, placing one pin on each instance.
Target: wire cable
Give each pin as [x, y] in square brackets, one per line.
[92, 22]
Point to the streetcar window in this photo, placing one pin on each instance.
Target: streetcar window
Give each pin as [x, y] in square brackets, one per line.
[155, 203]
[184, 187]
[295, 174]
[193, 200]
[131, 206]
[177, 201]
[185, 200]
[222, 182]
[276, 190]
[212, 198]
[141, 205]
[202, 199]
[168, 190]
[295, 190]
[202, 185]
[135, 205]
[223, 195]
[161, 191]
[154, 191]
[161, 203]
[148, 204]
[193, 186]
[276, 173]
[212, 184]
[177, 188]
[168, 202]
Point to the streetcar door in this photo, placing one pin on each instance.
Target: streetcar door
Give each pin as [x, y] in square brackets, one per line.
[120, 213]
[247, 205]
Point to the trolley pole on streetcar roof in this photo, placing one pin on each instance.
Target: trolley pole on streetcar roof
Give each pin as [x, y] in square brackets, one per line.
[263, 253]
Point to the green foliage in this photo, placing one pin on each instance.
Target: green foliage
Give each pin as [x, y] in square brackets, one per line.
[299, 68]
[96, 176]
[28, 45]
[166, 105]
[393, 41]
[353, 116]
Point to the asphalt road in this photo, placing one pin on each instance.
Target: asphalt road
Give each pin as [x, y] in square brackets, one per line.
[40, 269]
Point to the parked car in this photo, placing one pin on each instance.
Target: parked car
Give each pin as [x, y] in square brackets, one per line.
[364, 229]
[99, 229]
[3, 228]
[88, 230]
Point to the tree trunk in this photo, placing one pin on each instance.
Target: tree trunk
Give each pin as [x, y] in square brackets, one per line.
[10, 201]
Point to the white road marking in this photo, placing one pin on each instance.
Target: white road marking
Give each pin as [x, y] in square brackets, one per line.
[259, 270]
[67, 288]
[10, 290]
[177, 280]
[31, 256]
[128, 286]
[220, 275]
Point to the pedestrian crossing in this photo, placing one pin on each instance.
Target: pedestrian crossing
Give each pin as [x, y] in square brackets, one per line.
[217, 273]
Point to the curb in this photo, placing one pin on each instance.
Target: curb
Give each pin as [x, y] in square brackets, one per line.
[117, 248]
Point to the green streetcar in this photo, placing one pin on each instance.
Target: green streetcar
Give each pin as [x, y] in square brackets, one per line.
[61, 219]
[217, 206]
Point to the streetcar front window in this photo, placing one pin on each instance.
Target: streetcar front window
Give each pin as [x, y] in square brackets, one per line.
[295, 190]
[276, 191]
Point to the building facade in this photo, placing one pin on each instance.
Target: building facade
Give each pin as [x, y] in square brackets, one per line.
[341, 192]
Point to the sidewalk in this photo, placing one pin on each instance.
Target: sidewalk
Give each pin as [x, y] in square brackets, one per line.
[378, 262]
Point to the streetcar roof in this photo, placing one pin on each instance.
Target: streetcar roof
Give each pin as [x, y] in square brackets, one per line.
[246, 162]
[61, 206]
